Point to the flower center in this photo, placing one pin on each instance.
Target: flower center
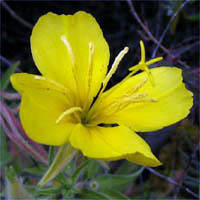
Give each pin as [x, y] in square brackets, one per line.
[92, 116]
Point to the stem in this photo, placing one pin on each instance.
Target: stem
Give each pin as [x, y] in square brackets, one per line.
[146, 29]
[9, 96]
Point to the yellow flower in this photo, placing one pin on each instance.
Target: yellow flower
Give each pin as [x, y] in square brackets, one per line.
[60, 106]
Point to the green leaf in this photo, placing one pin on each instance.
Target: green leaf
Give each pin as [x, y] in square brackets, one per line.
[194, 17]
[50, 190]
[108, 195]
[52, 150]
[78, 171]
[6, 76]
[116, 181]
[63, 157]
[112, 194]
[14, 189]
[126, 168]
[93, 168]
[103, 164]
[5, 156]
[35, 171]
[89, 194]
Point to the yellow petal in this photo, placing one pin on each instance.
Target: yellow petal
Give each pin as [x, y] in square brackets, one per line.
[42, 103]
[112, 143]
[24, 82]
[173, 101]
[60, 47]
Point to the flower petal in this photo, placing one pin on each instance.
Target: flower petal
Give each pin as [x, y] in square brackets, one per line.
[42, 103]
[24, 82]
[53, 59]
[173, 101]
[112, 143]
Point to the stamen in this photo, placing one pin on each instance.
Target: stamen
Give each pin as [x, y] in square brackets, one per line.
[143, 99]
[123, 103]
[138, 98]
[143, 65]
[143, 57]
[107, 78]
[91, 59]
[114, 67]
[68, 112]
[136, 88]
[129, 99]
[69, 49]
[90, 71]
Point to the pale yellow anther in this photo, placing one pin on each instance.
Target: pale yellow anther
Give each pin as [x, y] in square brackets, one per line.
[122, 103]
[90, 72]
[139, 98]
[133, 97]
[90, 63]
[68, 112]
[136, 88]
[114, 67]
[143, 65]
[69, 49]
[71, 55]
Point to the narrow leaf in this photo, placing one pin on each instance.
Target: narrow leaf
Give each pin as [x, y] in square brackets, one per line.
[14, 189]
[35, 171]
[89, 194]
[63, 157]
[113, 194]
[78, 171]
[6, 77]
[52, 150]
[103, 164]
[116, 181]
[194, 17]
[93, 168]
[4, 154]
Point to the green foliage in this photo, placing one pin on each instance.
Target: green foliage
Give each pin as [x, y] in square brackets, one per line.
[4, 154]
[194, 17]
[192, 180]
[118, 182]
[14, 189]
[83, 182]
[5, 79]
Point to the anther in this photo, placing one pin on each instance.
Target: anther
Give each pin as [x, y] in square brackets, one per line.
[114, 67]
[90, 72]
[136, 88]
[69, 49]
[68, 112]
[109, 75]
[71, 55]
[90, 63]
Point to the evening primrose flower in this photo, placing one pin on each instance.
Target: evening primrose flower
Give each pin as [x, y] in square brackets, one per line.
[69, 104]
